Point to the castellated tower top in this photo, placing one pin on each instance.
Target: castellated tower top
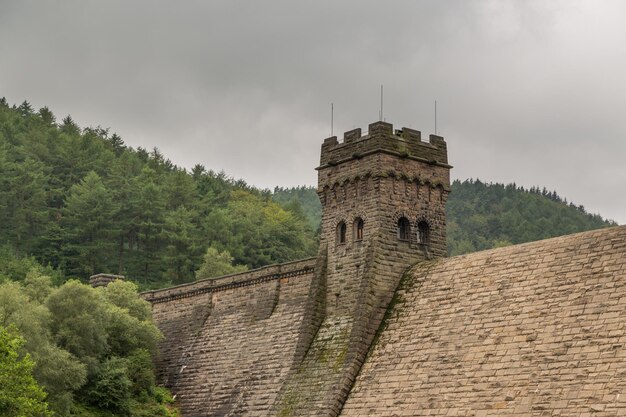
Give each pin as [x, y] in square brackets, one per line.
[384, 188]
[404, 143]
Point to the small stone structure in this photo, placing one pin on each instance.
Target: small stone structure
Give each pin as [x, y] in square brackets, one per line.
[380, 323]
[102, 280]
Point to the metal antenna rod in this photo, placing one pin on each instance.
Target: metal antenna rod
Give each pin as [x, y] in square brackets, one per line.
[436, 133]
[381, 103]
[332, 118]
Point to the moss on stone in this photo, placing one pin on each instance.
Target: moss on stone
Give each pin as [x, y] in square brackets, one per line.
[288, 404]
[395, 307]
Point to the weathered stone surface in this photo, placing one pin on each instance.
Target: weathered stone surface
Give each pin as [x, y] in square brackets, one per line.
[229, 342]
[535, 329]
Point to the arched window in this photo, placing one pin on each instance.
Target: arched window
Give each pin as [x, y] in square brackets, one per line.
[404, 229]
[341, 232]
[423, 233]
[358, 229]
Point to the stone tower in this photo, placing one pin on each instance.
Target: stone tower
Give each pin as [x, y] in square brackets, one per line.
[383, 196]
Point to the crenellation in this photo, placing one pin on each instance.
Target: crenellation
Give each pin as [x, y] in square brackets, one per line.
[352, 135]
[404, 143]
[437, 141]
[365, 269]
[409, 134]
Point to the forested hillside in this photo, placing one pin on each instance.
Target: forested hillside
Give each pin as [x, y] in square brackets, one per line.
[303, 199]
[83, 202]
[483, 216]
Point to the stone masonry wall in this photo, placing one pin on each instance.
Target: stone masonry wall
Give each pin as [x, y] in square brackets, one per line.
[230, 342]
[537, 329]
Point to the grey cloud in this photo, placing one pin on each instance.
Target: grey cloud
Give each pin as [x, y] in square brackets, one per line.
[531, 92]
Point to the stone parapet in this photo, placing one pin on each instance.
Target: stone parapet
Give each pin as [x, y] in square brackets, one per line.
[242, 279]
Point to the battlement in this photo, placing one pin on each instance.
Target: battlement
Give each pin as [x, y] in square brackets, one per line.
[405, 143]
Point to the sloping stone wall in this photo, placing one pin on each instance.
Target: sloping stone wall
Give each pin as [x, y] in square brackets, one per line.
[230, 342]
[530, 330]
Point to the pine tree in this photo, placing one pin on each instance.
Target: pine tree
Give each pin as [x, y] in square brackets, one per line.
[88, 222]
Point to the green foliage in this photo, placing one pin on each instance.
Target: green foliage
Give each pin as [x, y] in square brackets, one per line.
[88, 218]
[79, 324]
[17, 268]
[22, 200]
[110, 330]
[127, 333]
[61, 374]
[83, 202]
[181, 233]
[160, 406]
[141, 373]
[19, 393]
[301, 200]
[218, 263]
[123, 294]
[56, 369]
[483, 216]
[257, 232]
[92, 348]
[111, 387]
[37, 286]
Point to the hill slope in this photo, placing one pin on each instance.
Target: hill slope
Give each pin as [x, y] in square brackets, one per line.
[483, 216]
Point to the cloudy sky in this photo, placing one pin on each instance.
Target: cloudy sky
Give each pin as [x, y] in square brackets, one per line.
[532, 92]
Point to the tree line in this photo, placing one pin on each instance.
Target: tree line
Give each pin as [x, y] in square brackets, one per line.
[486, 215]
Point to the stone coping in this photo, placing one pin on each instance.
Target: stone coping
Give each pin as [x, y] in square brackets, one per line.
[241, 279]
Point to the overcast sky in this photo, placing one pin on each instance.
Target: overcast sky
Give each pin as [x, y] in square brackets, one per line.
[532, 92]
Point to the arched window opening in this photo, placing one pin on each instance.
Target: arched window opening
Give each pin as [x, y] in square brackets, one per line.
[423, 233]
[404, 229]
[341, 232]
[358, 229]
